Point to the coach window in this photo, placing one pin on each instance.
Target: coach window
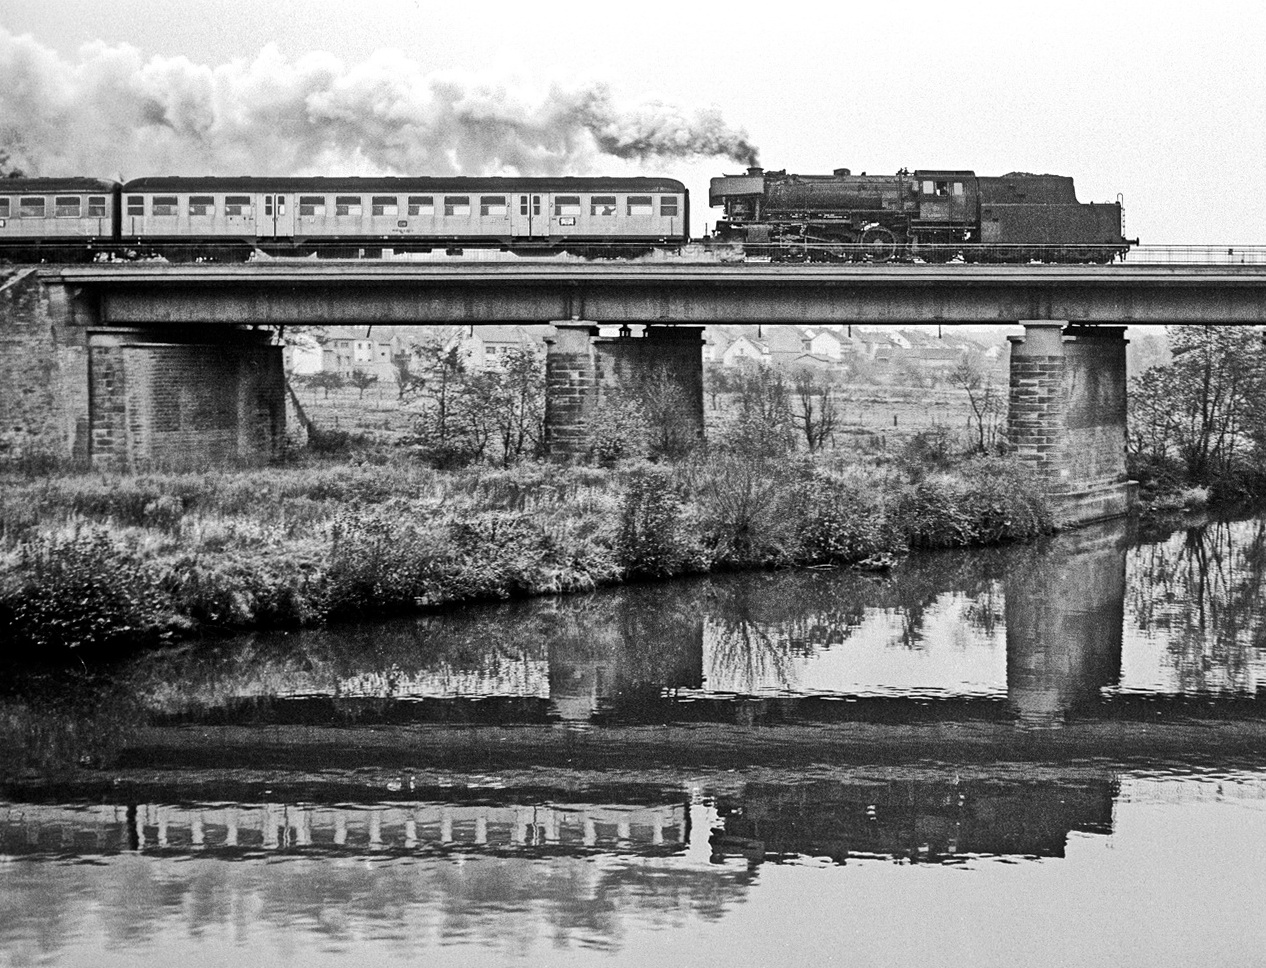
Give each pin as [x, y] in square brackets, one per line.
[567, 205]
[4, 208]
[457, 205]
[67, 206]
[96, 206]
[668, 206]
[311, 205]
[641, 205]
[136, 205]
[602, 205]
[164, 204]
[31, 206]
[201, 205]
[493, 205]
[348, 205]
[237, 205]
[421, 204]
[384, 205]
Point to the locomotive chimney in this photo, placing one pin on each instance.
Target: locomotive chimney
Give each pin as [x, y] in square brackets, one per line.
[755, 171]
[842, 172]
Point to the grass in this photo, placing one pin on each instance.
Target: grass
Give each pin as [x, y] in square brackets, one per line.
[99, 562]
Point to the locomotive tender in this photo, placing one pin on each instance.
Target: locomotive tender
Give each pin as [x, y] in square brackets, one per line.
[934, 215]
[231, 217]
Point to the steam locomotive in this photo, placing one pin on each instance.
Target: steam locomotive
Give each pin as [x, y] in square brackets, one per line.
[231, 218]
[931, 215]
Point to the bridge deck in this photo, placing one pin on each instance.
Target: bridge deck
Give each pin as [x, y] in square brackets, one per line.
[307, 291]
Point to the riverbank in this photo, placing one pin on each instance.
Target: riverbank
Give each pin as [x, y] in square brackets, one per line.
[97, 562]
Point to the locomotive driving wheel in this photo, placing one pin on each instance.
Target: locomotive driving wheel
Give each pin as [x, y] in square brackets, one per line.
[878, 244]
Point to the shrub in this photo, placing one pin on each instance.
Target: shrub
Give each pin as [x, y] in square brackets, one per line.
[81, 591]
[992, 500]
[843, 523]
[742, 508]
[653, 539]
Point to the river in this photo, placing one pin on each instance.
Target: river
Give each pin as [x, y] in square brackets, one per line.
[1050, 754]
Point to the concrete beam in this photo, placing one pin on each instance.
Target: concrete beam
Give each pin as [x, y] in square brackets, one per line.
[474, 293]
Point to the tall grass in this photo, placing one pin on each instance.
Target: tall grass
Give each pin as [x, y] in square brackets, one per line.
[99, 562]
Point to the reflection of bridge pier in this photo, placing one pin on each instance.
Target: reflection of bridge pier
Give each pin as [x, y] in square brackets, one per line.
[1065, 621]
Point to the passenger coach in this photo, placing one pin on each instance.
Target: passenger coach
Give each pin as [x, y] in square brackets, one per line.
[403, 214]
[48, 216]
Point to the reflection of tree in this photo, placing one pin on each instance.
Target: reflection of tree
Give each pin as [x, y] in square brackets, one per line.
[1204, 592]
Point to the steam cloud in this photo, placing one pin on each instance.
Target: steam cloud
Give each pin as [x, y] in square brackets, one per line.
[111, 112]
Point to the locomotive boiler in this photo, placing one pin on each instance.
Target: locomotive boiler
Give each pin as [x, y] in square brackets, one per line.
[933, 215]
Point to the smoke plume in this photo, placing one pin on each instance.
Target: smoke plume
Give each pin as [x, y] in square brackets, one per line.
[111, 112]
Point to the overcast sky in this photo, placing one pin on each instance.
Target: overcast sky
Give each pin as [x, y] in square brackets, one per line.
[1161, 102]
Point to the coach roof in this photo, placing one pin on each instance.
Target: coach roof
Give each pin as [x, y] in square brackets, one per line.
[468, 184]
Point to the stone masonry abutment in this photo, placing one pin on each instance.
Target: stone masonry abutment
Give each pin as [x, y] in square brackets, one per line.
[76, 393]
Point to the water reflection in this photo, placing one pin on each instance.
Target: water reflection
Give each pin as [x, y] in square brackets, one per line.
[738, 756]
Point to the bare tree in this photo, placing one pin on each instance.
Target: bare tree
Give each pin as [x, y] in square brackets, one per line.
[362, 381]
[326, 380]
[666, 408]
[814, 410]
[984, 398]
[519, 402]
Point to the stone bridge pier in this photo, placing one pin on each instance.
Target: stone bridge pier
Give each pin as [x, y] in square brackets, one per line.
[585, 374]
[1067, 416]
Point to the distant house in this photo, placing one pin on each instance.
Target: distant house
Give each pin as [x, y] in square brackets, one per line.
[931, 352]
[745, 348]
[815, 361]
[829, 343]
[346, 350]
[784, 343]
[878, 346]
[486, 347]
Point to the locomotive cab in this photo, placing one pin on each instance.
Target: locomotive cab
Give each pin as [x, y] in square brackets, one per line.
[946, 197]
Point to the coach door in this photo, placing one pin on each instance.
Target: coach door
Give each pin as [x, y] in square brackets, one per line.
[278, 219]
[529, 218]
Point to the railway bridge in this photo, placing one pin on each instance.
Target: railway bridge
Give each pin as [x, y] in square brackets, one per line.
[152, 364]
